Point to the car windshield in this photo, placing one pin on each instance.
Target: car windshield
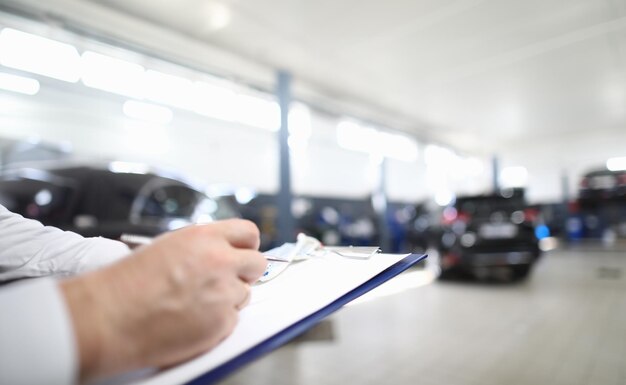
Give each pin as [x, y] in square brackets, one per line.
[171, 201]
[483, 207]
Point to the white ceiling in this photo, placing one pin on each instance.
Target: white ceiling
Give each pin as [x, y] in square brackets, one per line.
[478, 74]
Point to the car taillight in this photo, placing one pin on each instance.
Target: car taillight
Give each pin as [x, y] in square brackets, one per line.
[448, 216]
[448, 260]
[530, 215]
[621, 179]
[464, 217]
[451, 215]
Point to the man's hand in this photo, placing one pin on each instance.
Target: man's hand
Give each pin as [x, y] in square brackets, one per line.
[168, 301]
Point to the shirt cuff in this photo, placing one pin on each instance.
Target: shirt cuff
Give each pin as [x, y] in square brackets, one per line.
[37, 342]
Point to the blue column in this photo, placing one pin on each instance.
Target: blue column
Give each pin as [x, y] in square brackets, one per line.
[379, 203]
[495, 166]
[565, 193]
[285, 219]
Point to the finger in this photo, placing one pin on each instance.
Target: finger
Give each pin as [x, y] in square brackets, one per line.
[249, 264]
[234, 292]
[246, 299]
[240, 233]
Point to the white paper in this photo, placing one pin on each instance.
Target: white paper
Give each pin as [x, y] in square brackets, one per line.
[304, 288]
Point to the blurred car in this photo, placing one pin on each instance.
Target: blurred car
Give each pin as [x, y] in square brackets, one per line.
[108, 199]
[602, 185]
[424, 227]
[489, 235]
[600, 211]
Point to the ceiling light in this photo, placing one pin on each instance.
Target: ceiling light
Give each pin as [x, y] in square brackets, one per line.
[357, 137]
[112, 75]
[39, 55]
[19, 84]
[170, 89]
[299, 126]
[439, 157]
[215, 101]
[514, 176]
[616, 164]
[258, 112]
[473, 167]
[217, 16]
[396, 146]
[353, 136]
[147, 112]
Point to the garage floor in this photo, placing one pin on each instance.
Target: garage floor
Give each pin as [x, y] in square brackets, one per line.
[565, 325]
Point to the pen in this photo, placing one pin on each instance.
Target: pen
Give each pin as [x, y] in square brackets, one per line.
[134, 240]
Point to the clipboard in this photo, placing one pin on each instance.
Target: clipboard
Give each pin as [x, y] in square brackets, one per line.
[194, 372]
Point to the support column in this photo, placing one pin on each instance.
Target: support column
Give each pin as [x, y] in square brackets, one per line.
[286, 225]
[379, 203]
[565, 193]
[495, 167]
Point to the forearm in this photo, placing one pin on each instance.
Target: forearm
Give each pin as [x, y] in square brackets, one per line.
[29, 249]
[89, 311]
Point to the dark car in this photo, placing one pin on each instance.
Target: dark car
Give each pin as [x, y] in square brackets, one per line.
[603, 185]
[108, 199]
[489, 235]
[600, 211]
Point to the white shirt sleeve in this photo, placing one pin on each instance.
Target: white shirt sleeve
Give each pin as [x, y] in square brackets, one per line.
[29, 249]
[37, 342]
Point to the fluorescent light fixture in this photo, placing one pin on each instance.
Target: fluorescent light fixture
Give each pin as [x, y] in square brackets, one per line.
[258, 112]
[147, 112]
[19, 84]
[354, 136]
[473, 167]
[616, 164]
[299, 126]
[39, 55]
[215, 101]
[439, 157]
[514, 176]
[397, 146]
[112, 75]
[171, 90]
[300, 122]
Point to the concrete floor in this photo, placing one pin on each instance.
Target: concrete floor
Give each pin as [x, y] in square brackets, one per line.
[564, 325]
